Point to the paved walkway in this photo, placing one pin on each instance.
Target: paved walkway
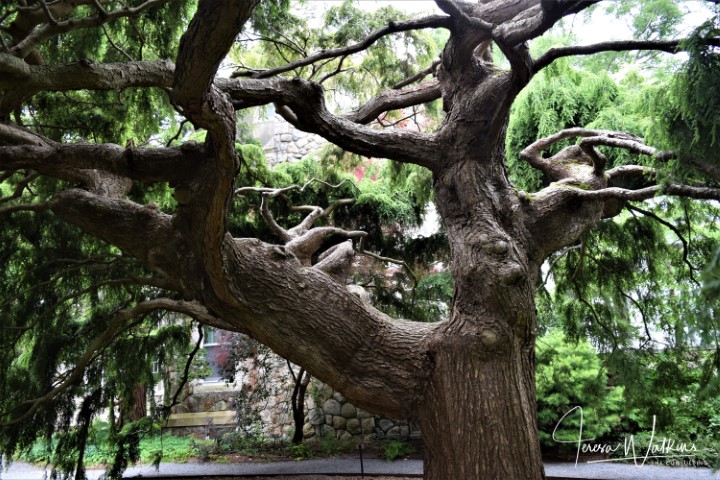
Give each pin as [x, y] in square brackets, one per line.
[596, 471]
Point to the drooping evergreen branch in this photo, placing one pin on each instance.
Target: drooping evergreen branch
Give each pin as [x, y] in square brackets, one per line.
[121, 319]
[676, 231]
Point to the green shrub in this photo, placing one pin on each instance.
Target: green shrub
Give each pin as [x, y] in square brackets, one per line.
[301, 451]
[396, 449]
[334, 446]
[569, 375]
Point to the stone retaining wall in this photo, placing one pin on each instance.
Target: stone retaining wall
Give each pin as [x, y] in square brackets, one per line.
[210, 411]
[329, 414]
[284, 143]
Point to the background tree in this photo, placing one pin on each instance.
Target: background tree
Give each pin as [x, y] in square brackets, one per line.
[475, 367]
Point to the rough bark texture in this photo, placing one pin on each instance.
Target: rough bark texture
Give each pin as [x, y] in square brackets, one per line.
[477, 367]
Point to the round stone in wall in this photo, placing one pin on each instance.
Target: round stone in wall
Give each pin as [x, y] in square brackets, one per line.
[348, 411]
[332, 407]
[339, 423]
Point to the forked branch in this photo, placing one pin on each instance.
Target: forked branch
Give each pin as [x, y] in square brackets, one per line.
[304, 239]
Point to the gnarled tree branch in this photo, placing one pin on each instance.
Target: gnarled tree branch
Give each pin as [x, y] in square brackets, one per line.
[308, 112]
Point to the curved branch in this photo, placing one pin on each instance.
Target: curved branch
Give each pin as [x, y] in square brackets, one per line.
[317, 213]
[436, 21]
[394, 100]
[698, 193]
[47, 31]
[310, 319]
[204, 201]
[305, 245]
[309, 113]
[669, 46]
[270, 219]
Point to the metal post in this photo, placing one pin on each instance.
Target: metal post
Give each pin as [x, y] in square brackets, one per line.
[362, 465]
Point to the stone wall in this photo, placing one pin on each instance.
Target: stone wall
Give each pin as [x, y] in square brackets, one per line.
[210, 411]
[329, 414]
[284, 143]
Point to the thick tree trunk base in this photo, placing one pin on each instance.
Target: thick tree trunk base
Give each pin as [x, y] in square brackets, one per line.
[479, 420]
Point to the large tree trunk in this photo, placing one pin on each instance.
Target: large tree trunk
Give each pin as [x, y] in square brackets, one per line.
[468, 381]
[478, 421]
[478, 416]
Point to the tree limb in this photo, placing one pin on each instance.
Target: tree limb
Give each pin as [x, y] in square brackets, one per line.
[698, 193]
[45, 32]
[395, 100]
[67, 162]
[204, 201]
[669, 46]
[309, 113]
[437, 21]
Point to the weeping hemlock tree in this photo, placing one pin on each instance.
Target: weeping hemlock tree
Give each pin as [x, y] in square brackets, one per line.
[467, 381]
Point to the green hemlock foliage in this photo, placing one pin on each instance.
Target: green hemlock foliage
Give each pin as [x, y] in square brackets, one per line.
[571, 375]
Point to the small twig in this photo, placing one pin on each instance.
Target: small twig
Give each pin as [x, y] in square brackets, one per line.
[101, 11]
[116, 47]
[20, 187]
[418, 76]
[560, 255]
[186, 371]
[337, 71]
[48, 14]
[675, 230]
[392, 124]
[177, 134]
